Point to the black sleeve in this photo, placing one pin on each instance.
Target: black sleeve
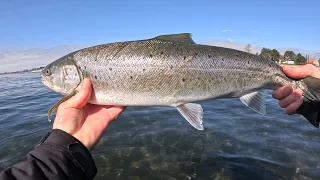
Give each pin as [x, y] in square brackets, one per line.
[58, 155]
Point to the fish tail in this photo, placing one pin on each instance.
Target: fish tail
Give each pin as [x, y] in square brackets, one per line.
[310, 107]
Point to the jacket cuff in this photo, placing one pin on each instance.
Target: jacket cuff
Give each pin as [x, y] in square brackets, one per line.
[78, 153]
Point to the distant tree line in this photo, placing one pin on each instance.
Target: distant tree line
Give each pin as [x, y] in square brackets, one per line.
[22, 71]
[274, 55]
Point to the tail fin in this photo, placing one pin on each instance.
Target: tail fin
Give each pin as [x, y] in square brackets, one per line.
[310, 108]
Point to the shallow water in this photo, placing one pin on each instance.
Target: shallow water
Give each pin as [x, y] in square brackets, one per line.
[157, 143]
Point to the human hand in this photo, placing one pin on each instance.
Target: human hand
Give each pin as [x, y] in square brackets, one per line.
[86, 122]
[291, 99]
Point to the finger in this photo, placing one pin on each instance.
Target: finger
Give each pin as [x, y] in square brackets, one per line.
[300, 71]
[282, 92]
[293, 107]
[115, 111]
[291, 98]
[81, 98]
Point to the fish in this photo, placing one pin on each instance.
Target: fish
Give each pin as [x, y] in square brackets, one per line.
[172, 70]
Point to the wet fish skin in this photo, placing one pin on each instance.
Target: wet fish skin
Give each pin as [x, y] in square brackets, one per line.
[154, 72]
[169, 70]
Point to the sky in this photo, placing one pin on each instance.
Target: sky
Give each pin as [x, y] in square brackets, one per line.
[272, 23]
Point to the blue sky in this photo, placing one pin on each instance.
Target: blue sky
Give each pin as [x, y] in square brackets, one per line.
[272, 23]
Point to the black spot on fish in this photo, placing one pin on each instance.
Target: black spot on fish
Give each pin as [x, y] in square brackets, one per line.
[196, 54]
[131, 77]
[209, 56]
[198, 78]
[183, 80]
[151, 55]
[248, 62]
[85, 67]
[143, 69]
[79, 67]
[237, 55]
[110, 69]
[161, 52]
[171, 67]
[95, 77]
[184, 58]
[222, 59]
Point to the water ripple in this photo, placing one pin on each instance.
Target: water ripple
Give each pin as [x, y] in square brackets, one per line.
[157, 143]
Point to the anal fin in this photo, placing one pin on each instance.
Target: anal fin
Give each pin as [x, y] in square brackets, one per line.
[193, 113]
[256, 101]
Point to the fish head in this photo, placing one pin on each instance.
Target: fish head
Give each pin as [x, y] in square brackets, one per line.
[62, 75]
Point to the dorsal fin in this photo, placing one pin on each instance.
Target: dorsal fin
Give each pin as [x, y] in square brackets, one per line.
[182, 37]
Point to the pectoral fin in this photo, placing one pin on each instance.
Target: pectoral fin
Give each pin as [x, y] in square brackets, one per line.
[256, 101]
[54, 108]
[193, 113]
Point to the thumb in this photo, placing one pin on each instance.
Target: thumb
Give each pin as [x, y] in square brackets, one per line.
[299, 72]
[81, 98]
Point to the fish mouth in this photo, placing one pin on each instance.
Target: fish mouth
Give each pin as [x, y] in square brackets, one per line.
[44, 80]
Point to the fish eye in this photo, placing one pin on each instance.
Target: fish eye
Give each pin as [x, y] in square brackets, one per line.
[47, 72]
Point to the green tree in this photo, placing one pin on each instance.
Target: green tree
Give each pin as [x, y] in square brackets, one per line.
[266, 53]
[290, 54]
[299, 59]
[275, 55]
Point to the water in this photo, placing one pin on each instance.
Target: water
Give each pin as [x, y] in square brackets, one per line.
[157, 143]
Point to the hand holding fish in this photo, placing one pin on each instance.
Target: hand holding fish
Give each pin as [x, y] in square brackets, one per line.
[291, 99]
[85, 121]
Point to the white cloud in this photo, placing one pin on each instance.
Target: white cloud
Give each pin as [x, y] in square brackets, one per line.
[226, 30]
[17, 60]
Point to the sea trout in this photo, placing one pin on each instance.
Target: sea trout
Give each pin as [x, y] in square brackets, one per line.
[172, 70]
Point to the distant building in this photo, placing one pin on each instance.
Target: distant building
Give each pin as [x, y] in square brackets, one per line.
[313, 61]
[290, 62]
[310, 61]
[286, 60]
[281, 60]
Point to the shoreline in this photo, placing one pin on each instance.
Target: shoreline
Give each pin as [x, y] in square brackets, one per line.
[33, 70]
